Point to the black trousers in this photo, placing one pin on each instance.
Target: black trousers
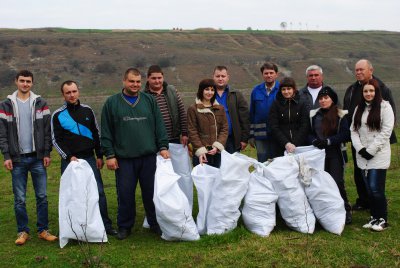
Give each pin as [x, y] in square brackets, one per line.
[335, 167]
[130, 172]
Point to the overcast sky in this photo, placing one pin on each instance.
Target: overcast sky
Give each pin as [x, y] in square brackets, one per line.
[191, 14]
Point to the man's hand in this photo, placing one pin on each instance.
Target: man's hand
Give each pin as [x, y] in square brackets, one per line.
[184, 140]
[99, 163]
[46, 161]
[164, 154]
[112, 163]
[243, 145]
[73, 158]
[8, 164]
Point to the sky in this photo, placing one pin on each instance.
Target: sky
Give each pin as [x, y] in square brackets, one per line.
[320, 15]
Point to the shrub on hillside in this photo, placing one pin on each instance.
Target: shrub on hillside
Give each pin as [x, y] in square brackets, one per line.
[105, 68]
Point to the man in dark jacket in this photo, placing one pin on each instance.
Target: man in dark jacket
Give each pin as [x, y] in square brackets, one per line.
[236, 110]
[352, 97]
[315, 82]
[26, 145]
[170, 103]
[75, 135]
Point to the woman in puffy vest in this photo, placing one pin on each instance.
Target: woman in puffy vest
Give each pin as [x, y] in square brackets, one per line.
[373, 122]
[329, 131]
[207, 126]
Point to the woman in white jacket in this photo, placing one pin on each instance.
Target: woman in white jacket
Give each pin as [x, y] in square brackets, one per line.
[373, 122]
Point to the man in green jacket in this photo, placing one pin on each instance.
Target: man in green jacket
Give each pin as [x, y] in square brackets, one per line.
[236, 110]
[132, 133]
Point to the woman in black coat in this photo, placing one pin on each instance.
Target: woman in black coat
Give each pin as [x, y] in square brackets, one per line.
[329, 131]
[289, 120]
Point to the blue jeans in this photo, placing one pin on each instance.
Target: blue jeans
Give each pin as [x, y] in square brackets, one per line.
[375, 184]
[130, 172]
[102, 195]
[19, 176]
[266, 149]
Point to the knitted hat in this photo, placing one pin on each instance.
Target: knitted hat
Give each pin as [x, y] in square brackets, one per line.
[330, 92]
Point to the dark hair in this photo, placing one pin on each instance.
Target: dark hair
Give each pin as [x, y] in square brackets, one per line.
[205, 83]
[24, 73]
[329, 121]
[288, 82]
[133, 71]
[154, 69]
[374, 116]
[220, 68]
[68, 83]
[269, 66]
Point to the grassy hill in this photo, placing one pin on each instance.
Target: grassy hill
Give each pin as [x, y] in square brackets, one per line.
[98, 58]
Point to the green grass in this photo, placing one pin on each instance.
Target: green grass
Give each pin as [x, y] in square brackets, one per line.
[356, 247]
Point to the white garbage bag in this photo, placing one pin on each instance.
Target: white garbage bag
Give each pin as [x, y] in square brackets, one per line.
[173, 211]
[324, 197]
[292, 201]
[182, 166]
[204, 177]
[258, 213]
[227, 194]
[315, 157]
[78, 208]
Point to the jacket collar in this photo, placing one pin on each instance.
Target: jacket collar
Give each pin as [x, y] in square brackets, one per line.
[341, 113]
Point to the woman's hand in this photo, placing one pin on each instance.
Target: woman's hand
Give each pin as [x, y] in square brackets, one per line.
[213, 151]
[202, 159]
[290, 147]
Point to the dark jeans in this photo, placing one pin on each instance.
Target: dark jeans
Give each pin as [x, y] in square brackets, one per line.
[130, 172]
[102, 195]
[212, 160]
[335, 167]
[230, 145]
[266, 149]
[375, 185]
[362, 192]
[19, 176]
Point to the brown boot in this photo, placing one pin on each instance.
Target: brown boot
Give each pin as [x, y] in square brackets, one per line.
[22, 238]
[46, 235]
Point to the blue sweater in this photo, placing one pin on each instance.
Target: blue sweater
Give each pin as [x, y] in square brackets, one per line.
[260, 104]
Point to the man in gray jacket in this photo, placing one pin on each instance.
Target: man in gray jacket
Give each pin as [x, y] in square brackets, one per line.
[25, 142]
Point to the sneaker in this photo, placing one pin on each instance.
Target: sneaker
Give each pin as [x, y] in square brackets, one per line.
[380, 225]
[370, 223]
[46, 235]
[22, 238]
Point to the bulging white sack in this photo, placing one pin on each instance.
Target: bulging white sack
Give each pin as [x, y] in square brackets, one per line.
[174, 214]
[324, 197]
[258, 213]
[204, 177]
[227, 194]
[292, 201]
[315, 157]
[78, 208]
[183, 167]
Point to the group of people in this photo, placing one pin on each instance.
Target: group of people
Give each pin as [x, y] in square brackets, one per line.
[137, 123]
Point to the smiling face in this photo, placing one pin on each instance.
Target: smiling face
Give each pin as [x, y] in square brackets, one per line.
[325, 101]
[287, 92]
[71, 93]
[132, 84]
[369, 93]
[269, 76]
[208, 93]
[24, 84]
[363, 71]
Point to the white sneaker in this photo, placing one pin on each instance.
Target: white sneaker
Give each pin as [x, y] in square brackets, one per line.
[370, 223]
[380, 225]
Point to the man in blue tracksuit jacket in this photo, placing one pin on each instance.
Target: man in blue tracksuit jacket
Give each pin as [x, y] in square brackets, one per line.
[75, 135]
[262, 97]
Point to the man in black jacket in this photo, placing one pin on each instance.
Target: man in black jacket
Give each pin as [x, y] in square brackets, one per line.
[75, 135]
[236, 110]
[352, 97]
